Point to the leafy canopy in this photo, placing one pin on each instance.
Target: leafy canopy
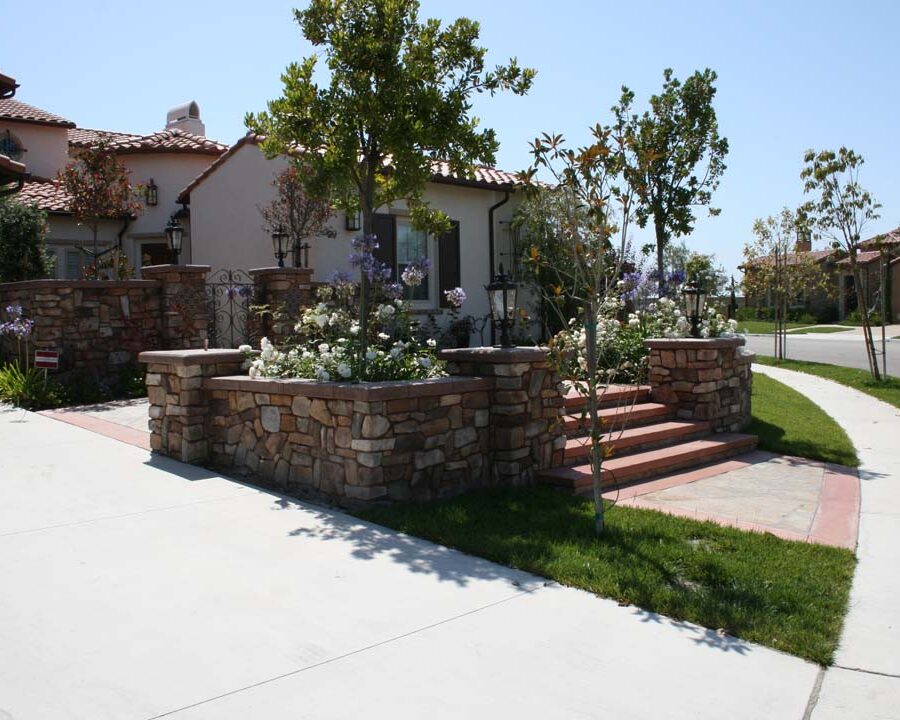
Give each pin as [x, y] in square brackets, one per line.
[22, 252]
[397, 99]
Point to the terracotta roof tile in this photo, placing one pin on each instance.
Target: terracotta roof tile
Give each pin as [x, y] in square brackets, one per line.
[85, 137]
[795, 258]
[484, 177]
[14, 110]
[47, 195]
[863, 258]
[892, 237]
[168, 141]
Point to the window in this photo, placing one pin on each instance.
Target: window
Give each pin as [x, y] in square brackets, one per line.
[11, 146]
[74, 264]
[412, 245]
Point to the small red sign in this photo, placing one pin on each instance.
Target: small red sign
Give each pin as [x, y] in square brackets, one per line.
[48, 359]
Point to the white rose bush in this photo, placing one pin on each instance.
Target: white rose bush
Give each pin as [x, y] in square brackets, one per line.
[328, 336]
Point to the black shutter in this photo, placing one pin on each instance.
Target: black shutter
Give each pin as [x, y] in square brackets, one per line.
[448, 262]
[385, 229]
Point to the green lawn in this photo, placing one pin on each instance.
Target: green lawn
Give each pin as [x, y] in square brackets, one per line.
[888, 391]
[790, 423]
[757, 327]
[819, 329]
[788, 595]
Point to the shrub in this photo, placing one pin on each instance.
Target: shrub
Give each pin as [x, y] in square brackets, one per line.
[29, 388]
[22, 252]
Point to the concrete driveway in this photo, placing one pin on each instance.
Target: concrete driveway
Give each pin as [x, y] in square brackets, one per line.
[137, 587]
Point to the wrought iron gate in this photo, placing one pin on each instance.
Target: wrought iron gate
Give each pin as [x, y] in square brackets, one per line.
[229, 294]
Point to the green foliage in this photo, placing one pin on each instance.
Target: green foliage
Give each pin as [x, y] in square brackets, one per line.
[788, 422]
[787, 595]
[27, 388]
[23, 255]
[676, 156]
[703, 269]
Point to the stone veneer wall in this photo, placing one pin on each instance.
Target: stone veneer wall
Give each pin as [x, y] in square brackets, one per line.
[352, 443]
[101, 325]
[285, 291]
[708, 379]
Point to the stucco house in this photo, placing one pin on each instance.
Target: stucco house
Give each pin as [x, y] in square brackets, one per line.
[167, 160]
[227, 229]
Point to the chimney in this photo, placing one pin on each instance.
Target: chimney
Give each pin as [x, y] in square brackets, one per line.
[804, 242]
[186, 117]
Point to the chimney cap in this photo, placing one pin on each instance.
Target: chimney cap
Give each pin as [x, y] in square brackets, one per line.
[185, 111]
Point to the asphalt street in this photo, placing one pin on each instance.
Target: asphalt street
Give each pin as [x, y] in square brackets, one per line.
[849, 352]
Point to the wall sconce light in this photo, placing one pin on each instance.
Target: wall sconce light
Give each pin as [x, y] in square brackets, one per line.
[152, 193]
[353, 221]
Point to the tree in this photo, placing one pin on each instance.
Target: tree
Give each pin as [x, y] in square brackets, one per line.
[675, 157]
[98, 185]
[23, 255]
[300, 214]
[593, 212]
[398, 99]
[773, 269]
[840, 212]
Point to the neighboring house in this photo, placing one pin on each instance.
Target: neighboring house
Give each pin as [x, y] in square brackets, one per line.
[167, 160]
[228, 231]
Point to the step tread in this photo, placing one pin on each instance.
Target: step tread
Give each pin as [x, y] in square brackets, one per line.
[656, 432]
[638, 411]
[610, 394]
[657, 461]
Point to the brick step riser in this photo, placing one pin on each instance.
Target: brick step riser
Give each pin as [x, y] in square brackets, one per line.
[586, 484]
[576, 404]
[581, 455]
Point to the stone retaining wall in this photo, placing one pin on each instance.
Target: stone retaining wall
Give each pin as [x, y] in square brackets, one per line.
[708, 379]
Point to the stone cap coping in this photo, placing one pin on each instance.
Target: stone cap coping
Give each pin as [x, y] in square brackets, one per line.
[694, 343]
[364, 391]
[175, 268]
[190, 357]
[51, 283]
[281, 271]
[495, 354]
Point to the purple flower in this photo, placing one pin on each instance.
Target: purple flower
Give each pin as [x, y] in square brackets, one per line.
[416, 271]
[456, 297]
[393, 290]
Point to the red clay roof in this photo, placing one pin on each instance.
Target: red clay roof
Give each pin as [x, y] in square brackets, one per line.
[46, 194]
[794, 258]
[484, 177]
[10, 172]
[21, 112]
[168, 141]
[892, 237]
[85, 137]
[863, 258]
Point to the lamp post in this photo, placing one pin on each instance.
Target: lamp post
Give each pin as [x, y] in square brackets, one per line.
[278, 238]
[502, 298]
[694, 304]
[174, 234]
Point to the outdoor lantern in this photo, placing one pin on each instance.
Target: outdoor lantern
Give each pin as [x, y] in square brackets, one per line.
[694, 303]
[502, 299]
[174, 234]
[278, 239]
[353, 221]
[152, 193]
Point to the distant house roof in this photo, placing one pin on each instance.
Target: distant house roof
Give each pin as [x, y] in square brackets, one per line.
[46, 194]
[817, 256]
[892, 237]
[21, 112]
[862, 258]
[484, 177]
[172, 140]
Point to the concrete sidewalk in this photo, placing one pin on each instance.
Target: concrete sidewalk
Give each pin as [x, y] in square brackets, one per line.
[137, 587]
[865, 681]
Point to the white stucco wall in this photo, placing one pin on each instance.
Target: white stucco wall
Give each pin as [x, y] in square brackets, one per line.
[171, 172]
[228, 231]
[46, 146]
[65, 235]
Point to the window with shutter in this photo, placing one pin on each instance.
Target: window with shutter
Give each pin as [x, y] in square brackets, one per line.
[449, 271]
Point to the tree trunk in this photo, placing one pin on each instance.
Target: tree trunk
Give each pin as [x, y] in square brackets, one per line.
[661, 240]
[864, 315]
[368, 214]
[590, 332]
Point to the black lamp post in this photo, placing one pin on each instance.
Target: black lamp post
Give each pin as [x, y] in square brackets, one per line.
[502, 299]
[694, 304]
[278, 238]
[174, 234]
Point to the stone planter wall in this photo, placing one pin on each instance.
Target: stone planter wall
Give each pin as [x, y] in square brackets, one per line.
[352, 443]
[708, 379]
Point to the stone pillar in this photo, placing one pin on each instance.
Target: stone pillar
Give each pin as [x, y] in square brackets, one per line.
[708, 379]
[185, 309]
[179, 407]
[285, 292]
[526, 405]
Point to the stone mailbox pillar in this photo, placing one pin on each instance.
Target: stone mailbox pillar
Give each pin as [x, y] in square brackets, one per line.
[708, 379]
[525, 406]
[285, 291]
[185, 309]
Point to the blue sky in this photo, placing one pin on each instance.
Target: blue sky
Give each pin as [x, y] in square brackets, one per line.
[791, 76]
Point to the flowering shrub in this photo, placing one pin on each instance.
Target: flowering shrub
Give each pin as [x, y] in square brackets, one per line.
[621, 354]
[329, 335]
